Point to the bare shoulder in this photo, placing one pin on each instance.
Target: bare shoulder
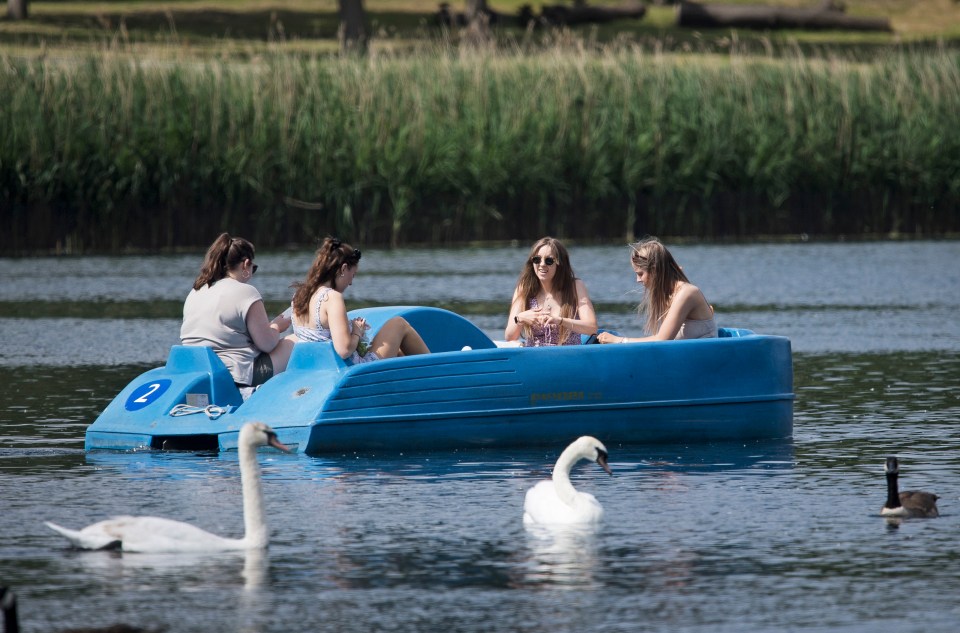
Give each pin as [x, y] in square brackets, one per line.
[517, 300]
[693, 302]
[687, 289]
[330, 295]
[581, 288]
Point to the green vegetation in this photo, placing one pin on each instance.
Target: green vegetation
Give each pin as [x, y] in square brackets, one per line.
[158, 144]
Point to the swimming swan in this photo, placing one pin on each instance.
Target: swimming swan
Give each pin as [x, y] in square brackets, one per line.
[157, 535]
[910, 503]
[557, 501]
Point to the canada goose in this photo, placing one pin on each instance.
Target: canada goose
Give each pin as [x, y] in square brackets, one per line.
[8, 602]
[910, 503]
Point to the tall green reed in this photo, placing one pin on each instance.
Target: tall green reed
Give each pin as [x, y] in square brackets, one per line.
[114, 151]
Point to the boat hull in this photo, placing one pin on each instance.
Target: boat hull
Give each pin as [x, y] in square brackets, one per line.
[736, 387]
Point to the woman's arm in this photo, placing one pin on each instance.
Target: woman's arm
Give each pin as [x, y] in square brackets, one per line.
[264, 333]
[685, 301]
[344, 341]
[587, 321]
[516, 319]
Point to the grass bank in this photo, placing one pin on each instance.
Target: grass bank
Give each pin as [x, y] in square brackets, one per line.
[106, 152]
[132, 124]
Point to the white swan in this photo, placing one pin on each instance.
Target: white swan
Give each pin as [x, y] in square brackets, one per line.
[909, 503]
[158, 535]
[557, 501]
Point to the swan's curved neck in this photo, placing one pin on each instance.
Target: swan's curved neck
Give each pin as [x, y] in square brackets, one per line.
[561, 475]
[255, 526]
[893, 493]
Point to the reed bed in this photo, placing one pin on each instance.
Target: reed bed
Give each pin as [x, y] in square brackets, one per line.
[113, 151]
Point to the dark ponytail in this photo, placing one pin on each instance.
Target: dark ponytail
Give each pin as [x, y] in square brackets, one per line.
[223, 255]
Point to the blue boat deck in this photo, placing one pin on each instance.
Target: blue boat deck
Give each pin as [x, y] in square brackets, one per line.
[738, 386]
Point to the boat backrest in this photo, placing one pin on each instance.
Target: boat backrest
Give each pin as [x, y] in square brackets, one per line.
[188, 358]
[192, 359]
[442, 330]
[313, 356]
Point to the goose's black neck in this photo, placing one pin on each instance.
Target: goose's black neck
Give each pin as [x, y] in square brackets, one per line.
[11, 623]
[893, 493]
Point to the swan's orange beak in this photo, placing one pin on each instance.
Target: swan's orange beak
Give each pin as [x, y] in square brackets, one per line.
[274, 442]
[602, 460]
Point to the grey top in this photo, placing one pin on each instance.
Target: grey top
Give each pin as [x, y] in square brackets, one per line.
[698, 328]
[216, 316]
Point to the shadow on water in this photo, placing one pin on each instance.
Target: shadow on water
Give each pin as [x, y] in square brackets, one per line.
[469, 464]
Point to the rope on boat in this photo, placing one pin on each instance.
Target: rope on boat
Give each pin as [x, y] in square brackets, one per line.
[213, 411]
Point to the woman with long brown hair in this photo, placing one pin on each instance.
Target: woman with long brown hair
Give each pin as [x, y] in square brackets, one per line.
[225, 312]
[320, 313]
[550, 305]
[674, 307]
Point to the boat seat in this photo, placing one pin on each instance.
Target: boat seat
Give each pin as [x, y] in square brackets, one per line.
[193, 359]
[733, 332]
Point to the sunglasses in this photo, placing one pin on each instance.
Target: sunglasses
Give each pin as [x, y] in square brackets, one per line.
[549, 261]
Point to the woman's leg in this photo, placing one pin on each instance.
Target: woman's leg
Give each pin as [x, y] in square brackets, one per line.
[281, 354]
[397, 336]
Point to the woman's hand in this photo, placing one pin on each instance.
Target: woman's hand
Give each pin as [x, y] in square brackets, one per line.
[548, 318]
[282, 322]
[607, 337]
[528, 317]
[360, 326]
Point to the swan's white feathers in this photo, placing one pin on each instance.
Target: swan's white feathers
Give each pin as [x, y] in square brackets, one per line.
[542, 505]
[556, 501]
[147, 534]
[150, 534]
[96, 536]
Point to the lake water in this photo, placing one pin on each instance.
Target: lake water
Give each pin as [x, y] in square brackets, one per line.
[770, 536]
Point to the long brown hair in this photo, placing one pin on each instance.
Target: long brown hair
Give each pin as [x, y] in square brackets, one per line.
[331, 255]
[650, 255]
[564, 282]
[223, 255]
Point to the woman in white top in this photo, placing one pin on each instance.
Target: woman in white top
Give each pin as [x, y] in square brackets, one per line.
[675, 308]
[320, 313]
[225, 312]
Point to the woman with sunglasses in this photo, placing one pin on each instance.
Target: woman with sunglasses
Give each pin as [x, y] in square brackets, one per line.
[675, 308]
[320, 314]
[550, 305]
[225, 312]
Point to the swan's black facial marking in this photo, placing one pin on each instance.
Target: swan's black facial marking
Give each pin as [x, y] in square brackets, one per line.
[602, 460]
[274, 442]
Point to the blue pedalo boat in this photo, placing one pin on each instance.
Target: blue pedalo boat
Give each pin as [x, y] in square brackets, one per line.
[469, 393]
